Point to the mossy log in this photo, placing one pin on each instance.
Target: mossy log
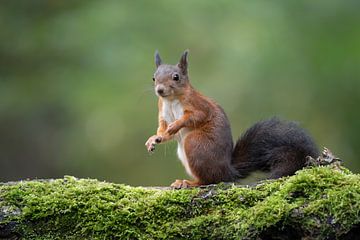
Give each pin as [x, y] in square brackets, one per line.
[317, 203]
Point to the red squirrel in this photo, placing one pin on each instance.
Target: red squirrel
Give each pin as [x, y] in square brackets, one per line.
[205, 145]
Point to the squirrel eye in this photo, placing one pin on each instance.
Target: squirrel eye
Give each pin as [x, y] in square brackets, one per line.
[153, 79]
[176, 77]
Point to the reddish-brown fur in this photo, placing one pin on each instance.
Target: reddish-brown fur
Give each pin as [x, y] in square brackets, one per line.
[208, 141]
[203, 132]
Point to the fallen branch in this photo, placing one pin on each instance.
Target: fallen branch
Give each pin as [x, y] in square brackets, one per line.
[321, 202]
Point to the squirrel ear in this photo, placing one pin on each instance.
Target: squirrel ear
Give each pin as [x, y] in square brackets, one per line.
[183, 63]
[157, 59]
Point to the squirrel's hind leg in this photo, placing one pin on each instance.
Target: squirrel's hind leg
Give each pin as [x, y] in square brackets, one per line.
[184, 184]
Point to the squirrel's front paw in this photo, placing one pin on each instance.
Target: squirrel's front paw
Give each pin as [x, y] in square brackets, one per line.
[173, 128]
[151, 142]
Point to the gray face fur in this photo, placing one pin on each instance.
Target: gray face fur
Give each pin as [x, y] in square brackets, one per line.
[170, 80]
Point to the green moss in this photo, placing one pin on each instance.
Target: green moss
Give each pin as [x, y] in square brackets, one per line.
[317, 202]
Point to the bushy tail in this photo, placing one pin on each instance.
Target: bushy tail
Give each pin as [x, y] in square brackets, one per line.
[273, 145]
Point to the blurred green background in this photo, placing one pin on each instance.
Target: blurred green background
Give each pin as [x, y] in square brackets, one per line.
[76, 92]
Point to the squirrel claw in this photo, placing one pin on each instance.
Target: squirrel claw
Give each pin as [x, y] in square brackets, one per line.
[178, 184]
[152, 149]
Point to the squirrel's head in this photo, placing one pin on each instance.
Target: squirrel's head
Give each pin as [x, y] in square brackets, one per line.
[171, 80]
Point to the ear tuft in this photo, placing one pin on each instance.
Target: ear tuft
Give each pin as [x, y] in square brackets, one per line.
[183, 63]
[157, 59]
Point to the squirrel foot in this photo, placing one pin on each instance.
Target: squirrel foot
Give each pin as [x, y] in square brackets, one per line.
[184, 184]
[151, 142]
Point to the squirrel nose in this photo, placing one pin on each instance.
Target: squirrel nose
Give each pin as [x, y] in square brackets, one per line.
[160, 91]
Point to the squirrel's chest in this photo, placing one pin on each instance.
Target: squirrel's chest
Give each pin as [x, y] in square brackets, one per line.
[172, 110]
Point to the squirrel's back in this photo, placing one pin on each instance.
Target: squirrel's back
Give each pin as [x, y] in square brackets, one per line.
[273, 145]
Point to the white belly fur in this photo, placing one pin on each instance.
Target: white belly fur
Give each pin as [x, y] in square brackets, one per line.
[171, 111]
